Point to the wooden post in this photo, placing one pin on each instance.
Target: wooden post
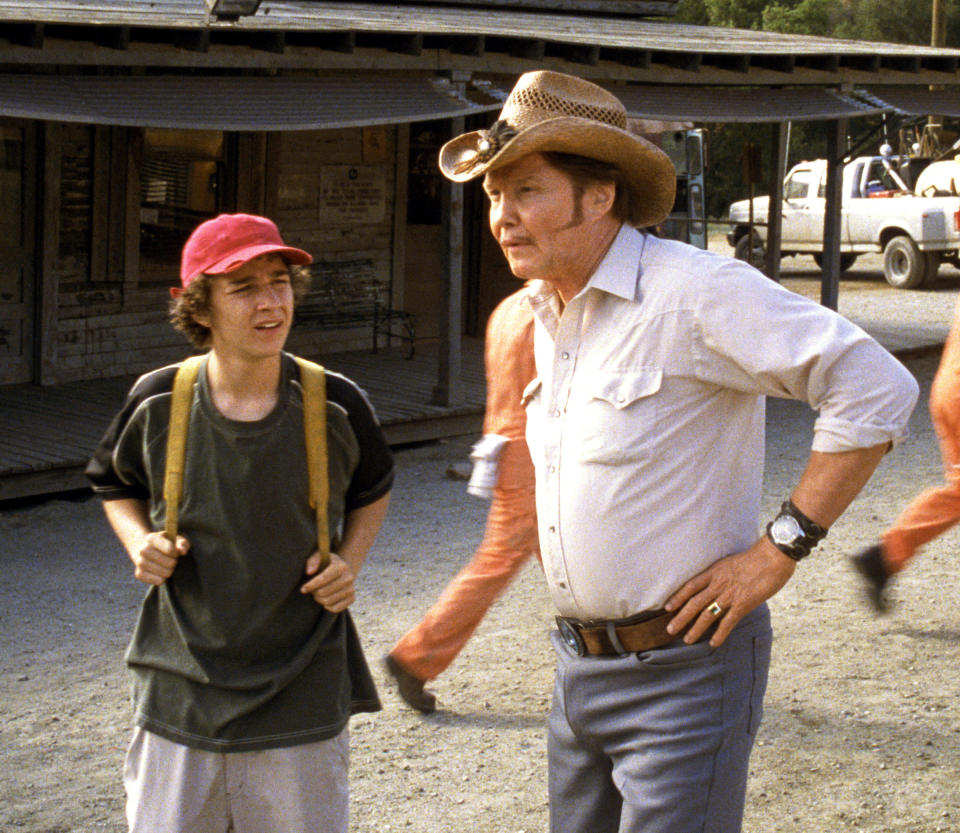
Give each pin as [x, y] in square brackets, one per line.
[778, 152]
[830, 263]
[449, 388]
[938, 38]
[48, 318]
[398, 257]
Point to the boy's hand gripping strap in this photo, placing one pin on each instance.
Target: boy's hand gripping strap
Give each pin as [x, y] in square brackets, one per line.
[177, 441]
[314, 383]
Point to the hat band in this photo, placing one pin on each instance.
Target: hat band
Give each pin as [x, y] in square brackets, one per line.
[489, 143]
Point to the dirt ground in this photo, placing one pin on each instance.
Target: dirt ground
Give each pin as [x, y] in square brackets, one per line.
[862, 725]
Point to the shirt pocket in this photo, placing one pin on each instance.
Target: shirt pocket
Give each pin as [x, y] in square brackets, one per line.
[620, 416]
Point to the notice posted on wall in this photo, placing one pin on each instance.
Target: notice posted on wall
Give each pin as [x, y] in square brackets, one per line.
[352, 194]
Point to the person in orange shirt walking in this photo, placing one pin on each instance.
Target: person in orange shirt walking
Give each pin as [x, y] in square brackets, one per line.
[502, 460]
[935, 510]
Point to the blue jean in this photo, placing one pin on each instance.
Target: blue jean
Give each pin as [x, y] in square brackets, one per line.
[657, 742]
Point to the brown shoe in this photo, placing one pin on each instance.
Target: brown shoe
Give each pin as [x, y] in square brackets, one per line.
[411, 688]
[869, 563]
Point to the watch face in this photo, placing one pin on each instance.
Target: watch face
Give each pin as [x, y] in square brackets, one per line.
[785, 530]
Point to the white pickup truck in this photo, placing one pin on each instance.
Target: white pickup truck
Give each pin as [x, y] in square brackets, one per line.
[879, 214]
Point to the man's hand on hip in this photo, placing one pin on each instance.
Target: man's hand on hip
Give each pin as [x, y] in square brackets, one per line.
[727, 591]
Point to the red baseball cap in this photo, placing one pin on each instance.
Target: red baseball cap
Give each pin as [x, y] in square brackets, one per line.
[226, 242]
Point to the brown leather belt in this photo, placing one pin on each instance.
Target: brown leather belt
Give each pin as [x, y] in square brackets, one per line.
[617, 636]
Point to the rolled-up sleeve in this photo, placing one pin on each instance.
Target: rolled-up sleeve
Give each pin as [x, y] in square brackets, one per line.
[789, 346]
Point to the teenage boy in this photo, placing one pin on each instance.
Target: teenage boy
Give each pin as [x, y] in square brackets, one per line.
[245, 663]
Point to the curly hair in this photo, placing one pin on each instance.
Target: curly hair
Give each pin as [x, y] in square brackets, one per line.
[196, 299]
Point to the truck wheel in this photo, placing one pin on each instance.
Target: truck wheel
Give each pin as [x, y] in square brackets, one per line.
[904, 265]
[754, 258]
[846, 261]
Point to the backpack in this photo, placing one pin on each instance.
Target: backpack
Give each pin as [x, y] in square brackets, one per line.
[313, 381]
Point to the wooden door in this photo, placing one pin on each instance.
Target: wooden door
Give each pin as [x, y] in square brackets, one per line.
[17, 251]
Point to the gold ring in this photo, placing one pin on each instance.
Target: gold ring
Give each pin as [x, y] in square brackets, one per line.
[715, 609]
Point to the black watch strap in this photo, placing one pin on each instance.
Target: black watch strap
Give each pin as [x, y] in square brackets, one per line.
[812, 532]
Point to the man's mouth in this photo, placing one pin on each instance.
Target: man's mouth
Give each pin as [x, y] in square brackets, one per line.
[270, 325]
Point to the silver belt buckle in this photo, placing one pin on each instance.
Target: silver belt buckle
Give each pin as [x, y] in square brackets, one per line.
[571, 637]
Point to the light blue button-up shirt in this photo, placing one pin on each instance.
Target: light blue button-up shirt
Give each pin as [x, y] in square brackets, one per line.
[646, 420]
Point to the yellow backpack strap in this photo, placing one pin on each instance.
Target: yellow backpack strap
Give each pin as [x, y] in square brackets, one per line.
[314, 383]
[177, 441]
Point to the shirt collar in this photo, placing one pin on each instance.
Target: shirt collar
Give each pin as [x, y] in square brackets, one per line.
[619, 270]
[618, 273]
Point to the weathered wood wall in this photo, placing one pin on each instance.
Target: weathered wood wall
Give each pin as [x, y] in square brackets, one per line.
[333, 193]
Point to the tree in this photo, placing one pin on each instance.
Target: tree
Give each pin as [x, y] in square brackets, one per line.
[807, 17]
[738, 14]
[887, 21]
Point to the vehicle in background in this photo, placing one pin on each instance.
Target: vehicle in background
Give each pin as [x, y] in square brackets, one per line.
[880, 212]
[687, 220]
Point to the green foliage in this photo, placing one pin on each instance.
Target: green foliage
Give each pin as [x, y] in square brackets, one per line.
[890, 21]
[807, 17]
[740, 14]
[725, 176]
[692, 11]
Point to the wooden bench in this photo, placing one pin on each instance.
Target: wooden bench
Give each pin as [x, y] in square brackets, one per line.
[339, 304]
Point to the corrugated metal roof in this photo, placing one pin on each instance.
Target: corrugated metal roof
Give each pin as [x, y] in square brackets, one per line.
[233, 103]
[916, 101]
[740, 104]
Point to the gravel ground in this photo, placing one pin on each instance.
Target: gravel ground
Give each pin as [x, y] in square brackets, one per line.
[862, 726]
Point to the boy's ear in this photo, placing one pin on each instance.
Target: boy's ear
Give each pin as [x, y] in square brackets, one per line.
[201, 317]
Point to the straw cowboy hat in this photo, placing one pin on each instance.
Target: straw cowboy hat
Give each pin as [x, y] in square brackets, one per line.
[550, 111]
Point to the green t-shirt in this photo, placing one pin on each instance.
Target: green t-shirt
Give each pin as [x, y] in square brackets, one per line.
[227, 654]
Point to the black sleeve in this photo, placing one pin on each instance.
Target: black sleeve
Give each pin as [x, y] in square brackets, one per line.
[102, 470]
[373, 477]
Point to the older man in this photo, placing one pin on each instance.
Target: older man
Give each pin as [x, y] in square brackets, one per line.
[646, 428]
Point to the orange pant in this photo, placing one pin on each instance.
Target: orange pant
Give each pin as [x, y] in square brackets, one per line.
[509, 539]
[935, 510]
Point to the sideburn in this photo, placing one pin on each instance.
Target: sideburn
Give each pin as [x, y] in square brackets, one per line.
[576, 218]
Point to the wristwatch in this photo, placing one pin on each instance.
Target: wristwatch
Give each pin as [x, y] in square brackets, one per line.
[793, 533]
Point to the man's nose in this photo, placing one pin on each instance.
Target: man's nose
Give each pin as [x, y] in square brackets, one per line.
[502, 214]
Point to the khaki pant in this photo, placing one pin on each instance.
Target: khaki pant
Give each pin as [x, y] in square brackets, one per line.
[173, 788]
[510, 538]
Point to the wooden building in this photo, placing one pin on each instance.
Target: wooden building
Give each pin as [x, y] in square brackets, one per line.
[122, 125]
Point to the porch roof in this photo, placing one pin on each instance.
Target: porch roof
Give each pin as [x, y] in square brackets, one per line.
[235, 102]
[453, 37]
[294, 102]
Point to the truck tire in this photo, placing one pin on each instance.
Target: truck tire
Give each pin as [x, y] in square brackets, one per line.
[904, 265]
[742, 247]
[846, 261]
